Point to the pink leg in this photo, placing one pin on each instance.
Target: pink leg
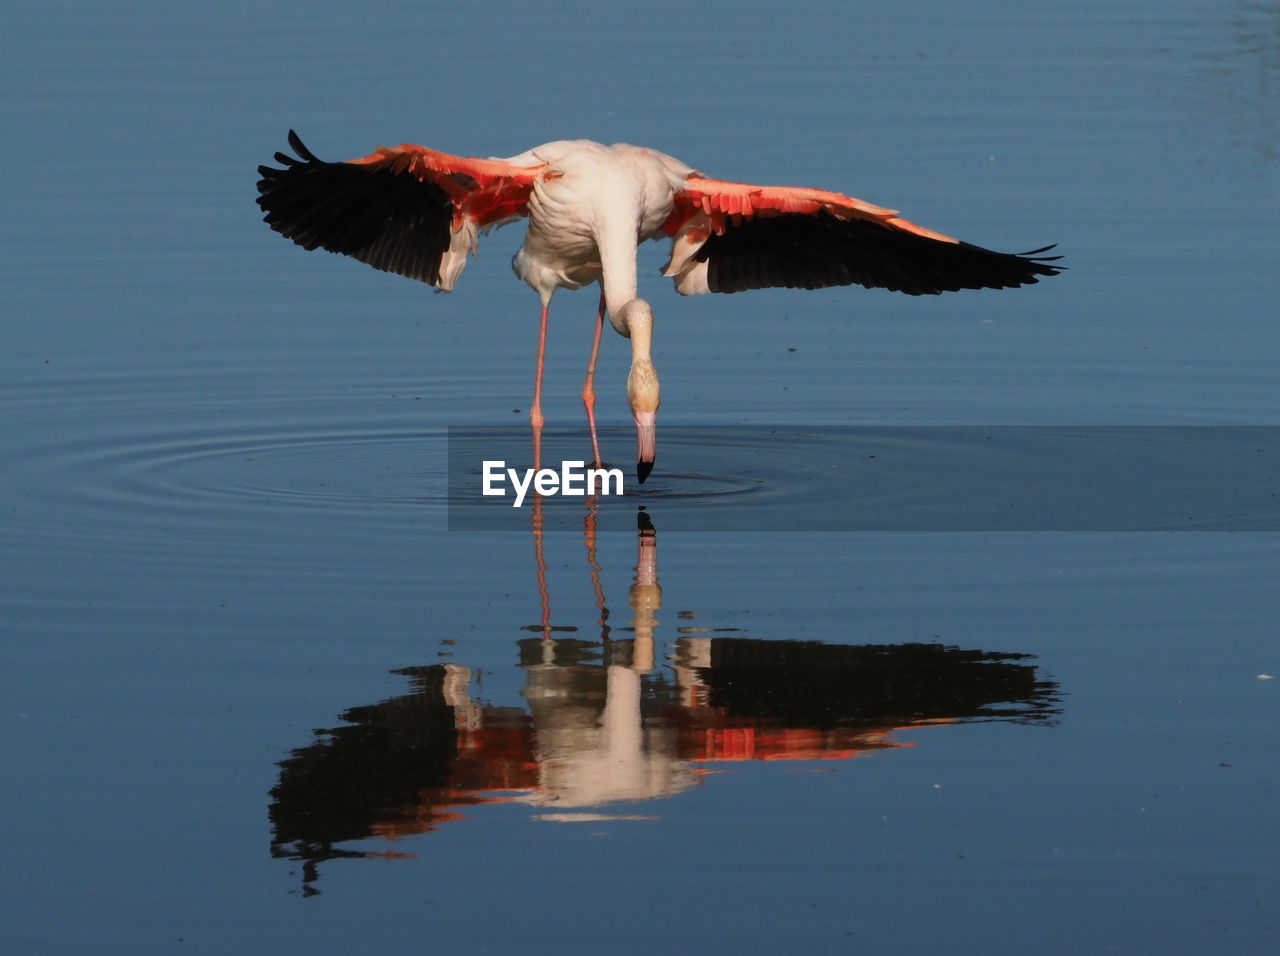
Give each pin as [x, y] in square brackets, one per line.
[535, 413]
[588, 387]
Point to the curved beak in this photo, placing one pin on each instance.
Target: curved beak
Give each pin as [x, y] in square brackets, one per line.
[646, 443]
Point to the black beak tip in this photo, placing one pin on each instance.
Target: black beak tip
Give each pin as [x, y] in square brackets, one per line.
[642, 470]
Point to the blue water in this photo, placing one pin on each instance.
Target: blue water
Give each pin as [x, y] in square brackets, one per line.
[259, 698]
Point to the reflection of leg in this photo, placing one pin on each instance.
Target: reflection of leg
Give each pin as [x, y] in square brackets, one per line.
[535, 413]
[540, 561]
[588, 387]
[589, 536]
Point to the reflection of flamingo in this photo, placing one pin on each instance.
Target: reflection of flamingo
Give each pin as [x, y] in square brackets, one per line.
[613, 720]
[593, 745]
[417, 212]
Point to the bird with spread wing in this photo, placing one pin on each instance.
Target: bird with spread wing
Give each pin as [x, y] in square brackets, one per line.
[419, 213]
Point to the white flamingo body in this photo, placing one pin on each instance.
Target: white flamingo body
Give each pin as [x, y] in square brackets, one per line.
[586, 219]
[419, 212]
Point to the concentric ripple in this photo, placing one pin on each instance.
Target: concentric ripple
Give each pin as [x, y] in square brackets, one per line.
[129, 468]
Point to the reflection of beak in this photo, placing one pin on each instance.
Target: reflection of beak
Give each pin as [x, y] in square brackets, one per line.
[646, 443]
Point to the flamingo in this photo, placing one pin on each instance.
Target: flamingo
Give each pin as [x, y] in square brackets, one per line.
[418, 212]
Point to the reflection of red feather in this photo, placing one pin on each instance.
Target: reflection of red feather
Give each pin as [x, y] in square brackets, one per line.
[751, 742]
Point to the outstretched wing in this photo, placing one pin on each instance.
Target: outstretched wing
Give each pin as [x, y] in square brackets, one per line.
[403, 209]
[729, 237]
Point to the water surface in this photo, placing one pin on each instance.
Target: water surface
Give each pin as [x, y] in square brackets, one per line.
[261, 698]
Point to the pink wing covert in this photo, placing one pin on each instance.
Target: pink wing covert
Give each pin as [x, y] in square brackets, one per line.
[729, 237]
[407, 209]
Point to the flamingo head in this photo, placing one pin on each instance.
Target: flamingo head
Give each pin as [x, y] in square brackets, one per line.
[642, 393]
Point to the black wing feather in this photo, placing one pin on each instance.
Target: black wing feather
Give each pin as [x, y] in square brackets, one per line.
[814, 251]
[392, 221]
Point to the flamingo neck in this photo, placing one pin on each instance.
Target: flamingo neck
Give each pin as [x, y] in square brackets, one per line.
[616, 239]
[640, 329]
[642, 380]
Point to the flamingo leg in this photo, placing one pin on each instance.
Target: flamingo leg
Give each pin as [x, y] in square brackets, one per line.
[535, 413]
[588, 386]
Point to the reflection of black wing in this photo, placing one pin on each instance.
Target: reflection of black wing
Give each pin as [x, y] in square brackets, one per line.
[810, 684]
[397, 764]
[373, 771]
[820, 250]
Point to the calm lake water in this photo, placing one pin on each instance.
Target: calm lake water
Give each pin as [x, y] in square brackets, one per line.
[260, 698]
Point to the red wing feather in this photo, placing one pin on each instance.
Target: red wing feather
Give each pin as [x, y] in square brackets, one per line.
[409, 210]
[730, 237]
[482, 190]
[718, 198]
